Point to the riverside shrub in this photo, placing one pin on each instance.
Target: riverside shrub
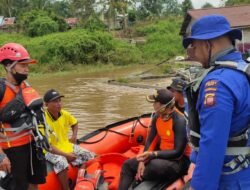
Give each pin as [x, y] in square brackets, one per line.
[42, 26]
[38, 23]
[77, 47]
[162, 39]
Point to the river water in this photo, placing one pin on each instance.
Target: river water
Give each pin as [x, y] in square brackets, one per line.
[93, 101]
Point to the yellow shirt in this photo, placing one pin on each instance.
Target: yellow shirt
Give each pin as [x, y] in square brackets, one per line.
[61, 127]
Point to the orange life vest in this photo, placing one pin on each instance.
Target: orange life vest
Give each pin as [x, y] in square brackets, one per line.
[24, 136]
[166, 134]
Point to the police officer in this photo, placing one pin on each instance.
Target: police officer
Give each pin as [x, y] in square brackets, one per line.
[219, 107]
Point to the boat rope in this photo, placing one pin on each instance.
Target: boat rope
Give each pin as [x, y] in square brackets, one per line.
[138, 119]
[105, 134]
[118, 133]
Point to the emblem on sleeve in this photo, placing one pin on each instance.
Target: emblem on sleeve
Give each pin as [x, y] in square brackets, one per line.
[211, 83]
[209, 100]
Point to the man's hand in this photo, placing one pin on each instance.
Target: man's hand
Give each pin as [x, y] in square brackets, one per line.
[70, 157]
[140, 171]
[5, 165]
[145, 156]
[73, 139]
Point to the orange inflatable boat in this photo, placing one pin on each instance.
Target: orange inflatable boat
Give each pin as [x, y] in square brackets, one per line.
[115, 138]
[113, 144]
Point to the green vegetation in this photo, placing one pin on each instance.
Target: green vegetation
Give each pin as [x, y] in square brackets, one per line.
[80, 46]
[237, 2]
[39, 23]
[163, 39]
[42, 30]
[123, 80]
[59, 51]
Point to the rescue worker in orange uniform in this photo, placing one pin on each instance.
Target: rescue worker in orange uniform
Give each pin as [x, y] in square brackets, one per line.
[20, 155]
[166, 153]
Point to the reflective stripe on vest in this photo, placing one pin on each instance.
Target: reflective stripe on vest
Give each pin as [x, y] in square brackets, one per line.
[10, 138]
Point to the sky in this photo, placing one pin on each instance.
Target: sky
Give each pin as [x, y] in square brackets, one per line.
[199, 3]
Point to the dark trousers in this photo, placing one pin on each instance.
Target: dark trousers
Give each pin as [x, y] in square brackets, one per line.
[21, 167]
[156, 169]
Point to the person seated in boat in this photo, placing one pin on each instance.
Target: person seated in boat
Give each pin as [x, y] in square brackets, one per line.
[166, 152]
[176, 87]
[64, 150]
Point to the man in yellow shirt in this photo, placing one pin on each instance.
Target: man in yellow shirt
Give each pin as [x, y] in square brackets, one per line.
[64, 150]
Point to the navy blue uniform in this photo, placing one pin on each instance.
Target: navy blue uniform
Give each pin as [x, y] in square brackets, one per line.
[224, 110]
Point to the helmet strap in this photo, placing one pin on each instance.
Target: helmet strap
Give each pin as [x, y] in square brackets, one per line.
[163, 108]
[9, 67]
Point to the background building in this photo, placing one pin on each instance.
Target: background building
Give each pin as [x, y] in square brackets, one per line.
[238, 16]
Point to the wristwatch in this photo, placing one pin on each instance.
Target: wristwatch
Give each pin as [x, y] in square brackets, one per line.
[155, 154]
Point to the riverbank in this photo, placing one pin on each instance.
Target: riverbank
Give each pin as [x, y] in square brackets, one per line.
[45, 70]
[60, 51]
[136, 69]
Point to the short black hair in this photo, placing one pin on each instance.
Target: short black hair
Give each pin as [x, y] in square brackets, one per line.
[7, 62]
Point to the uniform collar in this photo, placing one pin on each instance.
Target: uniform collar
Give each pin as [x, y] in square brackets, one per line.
[220, 55]
[233, 56]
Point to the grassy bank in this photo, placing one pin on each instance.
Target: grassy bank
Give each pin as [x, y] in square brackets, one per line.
[162, 39]
[82, 69]
[60, 52]
[55, 51]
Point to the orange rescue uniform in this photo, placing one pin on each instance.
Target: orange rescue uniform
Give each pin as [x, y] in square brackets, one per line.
[8, 96]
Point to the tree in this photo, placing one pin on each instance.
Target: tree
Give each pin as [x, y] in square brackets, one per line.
[61, 8]
[111, 8]
[7, 7]
[41, 26]
[172, 7]
[153, 6]
[236, 2]
[207, 5]
[186, 5]
[82, 8]
[94, 23]
[39, 22]
[40, 4]
[142, 13]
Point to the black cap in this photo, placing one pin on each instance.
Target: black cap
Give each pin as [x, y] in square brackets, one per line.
[51, 95]
[177, 84]
[163, 96]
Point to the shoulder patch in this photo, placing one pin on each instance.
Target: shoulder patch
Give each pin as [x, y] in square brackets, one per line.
[211, 83]
[210, 89]
[211, 86]
[210, 100]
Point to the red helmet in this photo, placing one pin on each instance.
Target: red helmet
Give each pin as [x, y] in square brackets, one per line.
[15, 52]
